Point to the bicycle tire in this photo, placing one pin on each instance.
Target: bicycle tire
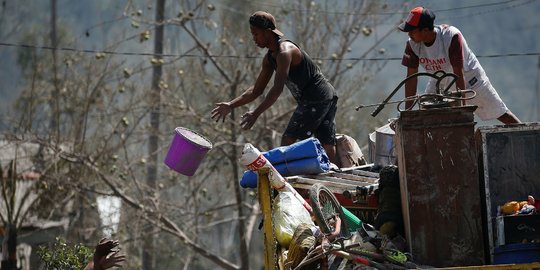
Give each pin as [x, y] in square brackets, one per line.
[325, 205]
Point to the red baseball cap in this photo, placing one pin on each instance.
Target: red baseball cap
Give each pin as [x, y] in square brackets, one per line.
[264, 20]
[419, 17]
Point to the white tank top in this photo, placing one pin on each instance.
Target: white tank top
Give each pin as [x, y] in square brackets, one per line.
[435, 57]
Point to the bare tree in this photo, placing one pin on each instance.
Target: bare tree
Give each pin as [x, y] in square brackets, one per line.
[10, 218]
[107, 119]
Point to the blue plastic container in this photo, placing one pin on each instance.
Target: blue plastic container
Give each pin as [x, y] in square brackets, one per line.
[517, 253]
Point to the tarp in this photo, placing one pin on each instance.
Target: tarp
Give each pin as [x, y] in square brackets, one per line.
[308, 148]
[304, 157]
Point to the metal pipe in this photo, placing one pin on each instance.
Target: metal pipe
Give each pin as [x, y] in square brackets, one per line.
[439, 75]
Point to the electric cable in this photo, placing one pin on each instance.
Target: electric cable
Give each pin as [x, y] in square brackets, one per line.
[68, 49]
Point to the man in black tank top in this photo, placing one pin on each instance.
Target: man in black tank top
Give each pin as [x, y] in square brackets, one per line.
[316, 97]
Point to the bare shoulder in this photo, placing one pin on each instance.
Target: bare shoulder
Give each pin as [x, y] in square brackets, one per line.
[288, 47]
[291, 51]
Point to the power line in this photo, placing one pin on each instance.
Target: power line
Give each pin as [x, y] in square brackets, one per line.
[27, 46]
[381, 13]
[482, 12]
[476, 6]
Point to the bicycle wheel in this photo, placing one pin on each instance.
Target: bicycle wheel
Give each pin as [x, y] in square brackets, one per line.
[325, 207]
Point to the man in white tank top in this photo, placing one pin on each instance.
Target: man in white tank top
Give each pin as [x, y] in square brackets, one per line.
[442, 47]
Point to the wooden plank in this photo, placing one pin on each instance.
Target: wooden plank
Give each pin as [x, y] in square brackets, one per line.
[306, 183]
[340, 180]
[353, 177]
[361, 167]
[365, 173]
[301, 185]
[326, 182]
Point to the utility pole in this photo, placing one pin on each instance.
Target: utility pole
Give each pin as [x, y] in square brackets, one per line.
[153, 139]
[55, 106]
[536, 114]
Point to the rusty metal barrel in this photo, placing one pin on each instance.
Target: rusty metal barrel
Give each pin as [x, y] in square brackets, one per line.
[440, 188]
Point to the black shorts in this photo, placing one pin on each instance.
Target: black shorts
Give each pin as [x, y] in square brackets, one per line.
[314, 119]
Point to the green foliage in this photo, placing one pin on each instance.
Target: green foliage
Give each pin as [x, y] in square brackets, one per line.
[65, 257]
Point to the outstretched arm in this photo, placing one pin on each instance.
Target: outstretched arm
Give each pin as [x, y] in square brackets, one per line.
[283, 59]
[224, 108]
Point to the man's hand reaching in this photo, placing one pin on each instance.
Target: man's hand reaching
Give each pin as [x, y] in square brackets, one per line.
[105, 246]
[105, 256]
[221, 111]
[110, 260]
[248, 119]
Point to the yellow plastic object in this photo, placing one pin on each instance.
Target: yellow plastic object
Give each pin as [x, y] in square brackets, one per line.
[510, 208]
[288, 213]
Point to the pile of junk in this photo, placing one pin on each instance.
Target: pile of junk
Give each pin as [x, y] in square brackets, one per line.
[428, 195]
[435, 191]
[319, 215]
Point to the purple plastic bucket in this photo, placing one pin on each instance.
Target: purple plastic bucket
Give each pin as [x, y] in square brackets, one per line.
[187, 150]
